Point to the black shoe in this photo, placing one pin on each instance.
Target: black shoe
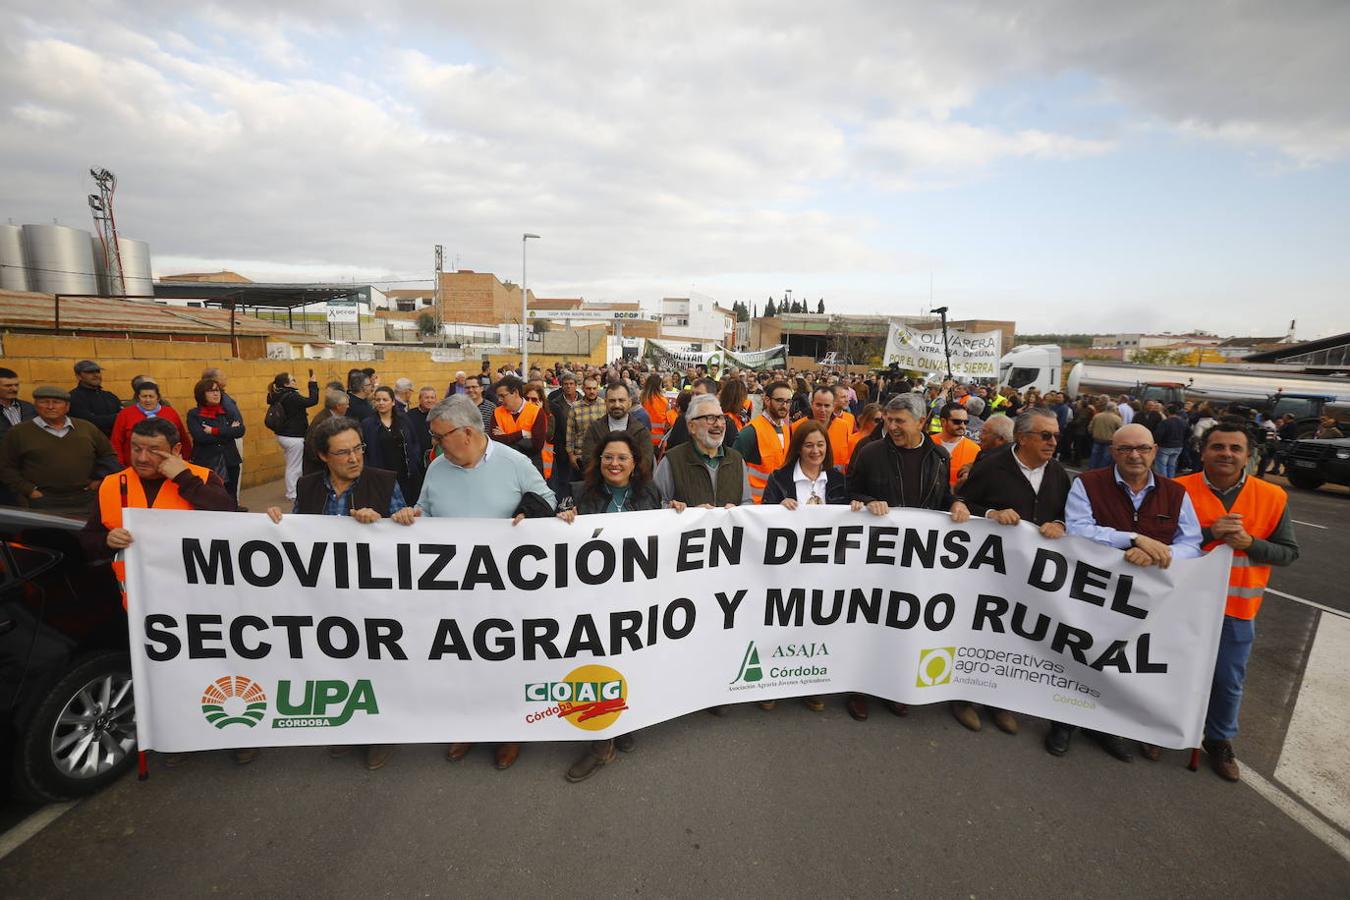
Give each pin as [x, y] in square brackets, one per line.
[625, 743]
[1114, 746]
[1057, 740]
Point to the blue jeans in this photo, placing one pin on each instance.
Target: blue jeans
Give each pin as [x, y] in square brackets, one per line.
[1230, 671]
[1166, 462]
[1101, 455]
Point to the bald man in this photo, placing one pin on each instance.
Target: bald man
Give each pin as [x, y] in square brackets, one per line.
[1148, 517]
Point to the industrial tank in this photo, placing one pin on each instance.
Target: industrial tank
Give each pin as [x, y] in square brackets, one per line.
[13, 269]
[138, 282]
[60, 259]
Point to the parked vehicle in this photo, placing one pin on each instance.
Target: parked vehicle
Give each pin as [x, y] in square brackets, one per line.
[1310, 464]
[67, 713]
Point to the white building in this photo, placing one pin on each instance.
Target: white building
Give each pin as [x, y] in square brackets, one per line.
[697, 318]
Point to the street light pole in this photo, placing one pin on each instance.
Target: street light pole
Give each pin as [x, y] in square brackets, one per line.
[524, 312]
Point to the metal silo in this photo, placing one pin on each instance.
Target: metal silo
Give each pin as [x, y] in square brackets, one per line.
[60, 259]
[100, 268]
[136, 268]
[13, 269]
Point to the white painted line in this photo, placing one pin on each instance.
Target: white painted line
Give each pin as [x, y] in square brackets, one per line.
[1296, 811]
[1326, 609]
[11, 840]
[1315, 756]
[1309, 524]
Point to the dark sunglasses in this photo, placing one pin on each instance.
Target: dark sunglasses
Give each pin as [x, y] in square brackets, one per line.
[1046, 436]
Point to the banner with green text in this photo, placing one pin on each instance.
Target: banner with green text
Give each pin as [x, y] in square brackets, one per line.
[320, 630]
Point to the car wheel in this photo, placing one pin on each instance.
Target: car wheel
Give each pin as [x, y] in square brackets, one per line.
[83, 735]
[1305, 481]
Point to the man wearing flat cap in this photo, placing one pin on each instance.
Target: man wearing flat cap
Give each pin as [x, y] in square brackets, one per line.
[54, 462]
[88, 399]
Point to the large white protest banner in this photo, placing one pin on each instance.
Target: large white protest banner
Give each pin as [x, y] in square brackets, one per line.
[324, 631]
[975, 354]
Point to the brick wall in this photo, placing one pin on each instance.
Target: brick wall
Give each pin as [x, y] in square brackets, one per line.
[176, 366]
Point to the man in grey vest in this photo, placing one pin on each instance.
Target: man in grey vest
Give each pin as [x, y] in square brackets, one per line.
[702, 472]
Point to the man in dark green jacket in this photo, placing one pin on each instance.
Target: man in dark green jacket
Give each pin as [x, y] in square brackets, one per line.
[703, 472]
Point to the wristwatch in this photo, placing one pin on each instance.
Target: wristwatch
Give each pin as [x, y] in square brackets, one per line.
[1134, 536]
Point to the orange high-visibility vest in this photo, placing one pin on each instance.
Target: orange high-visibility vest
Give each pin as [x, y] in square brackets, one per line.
[772, 452]
[840, 430]
[110, 505]
[1262, 506]
[547, 459]
[965, 453]
[510, 424]
[738, 419]
[855, 438]
[657, 410]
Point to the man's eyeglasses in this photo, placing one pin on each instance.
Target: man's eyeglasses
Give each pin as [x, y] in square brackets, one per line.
[441, 437]
[959, 421]
[348, 452]
[1046, 436]
[707, 420]
[780, 399]
[1135, 448]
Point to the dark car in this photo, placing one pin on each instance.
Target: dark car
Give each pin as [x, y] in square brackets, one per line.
[1311, 464]
[67, 710]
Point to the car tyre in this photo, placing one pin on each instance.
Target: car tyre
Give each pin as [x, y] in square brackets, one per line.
[1305, 481]
[83, 735]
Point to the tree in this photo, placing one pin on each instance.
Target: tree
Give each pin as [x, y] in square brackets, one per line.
[769, 310]
[820, 307]
[426, 323]
[741, 310]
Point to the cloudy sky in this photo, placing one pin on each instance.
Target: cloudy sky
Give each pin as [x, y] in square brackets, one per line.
[1075, 166]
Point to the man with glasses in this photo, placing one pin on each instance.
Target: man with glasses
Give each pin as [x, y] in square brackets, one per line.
[1016, 482]
[763, 445]
[475, 477]
[702, 472]
[1147, 516]
[348, 487]
[952, 436]
[487, 408]
[618, 417]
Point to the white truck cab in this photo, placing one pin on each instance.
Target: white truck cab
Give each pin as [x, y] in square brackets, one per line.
[1032, 365]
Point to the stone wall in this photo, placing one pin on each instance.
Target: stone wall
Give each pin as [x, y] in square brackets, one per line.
[177, 365]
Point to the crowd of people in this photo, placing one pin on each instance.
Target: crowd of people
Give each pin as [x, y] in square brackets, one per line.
[635, 437]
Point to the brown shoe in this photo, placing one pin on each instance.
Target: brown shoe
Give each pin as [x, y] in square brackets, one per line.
[625, 743]
[815, 704]
[456, 752]
[718, 711]
[898, 709]
[1221, 759]
[767, 704]
[377, 755]
[339, 750]
[966, 714]
[245, 755]
[591, 762]
[506, 756]
[857, 707]
[172, 760]
[1150, 752]
[1005, 721]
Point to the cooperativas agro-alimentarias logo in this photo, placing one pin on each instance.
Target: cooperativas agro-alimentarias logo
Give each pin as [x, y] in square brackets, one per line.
[234, 700]
[935, 666]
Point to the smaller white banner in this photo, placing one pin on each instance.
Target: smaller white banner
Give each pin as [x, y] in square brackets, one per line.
[974, 354]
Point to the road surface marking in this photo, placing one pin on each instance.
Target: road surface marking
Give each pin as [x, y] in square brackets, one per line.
[11, 840]
[1309, 524]
[1298, 812]
[1327, 609]
[1315, 757]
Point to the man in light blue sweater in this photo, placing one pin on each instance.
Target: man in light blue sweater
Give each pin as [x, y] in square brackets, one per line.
[480, 479]
[474, 478]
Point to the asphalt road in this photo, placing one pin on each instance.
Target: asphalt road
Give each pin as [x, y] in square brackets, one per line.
[781, 803]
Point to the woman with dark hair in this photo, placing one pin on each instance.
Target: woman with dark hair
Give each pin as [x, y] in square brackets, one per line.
[392, 444]
[618, 479]
[148, 405]
[808, 479]
[536, 392]
[213, 431]
[734, 399]
[801, 399]
[869, 420]
[294, 423]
